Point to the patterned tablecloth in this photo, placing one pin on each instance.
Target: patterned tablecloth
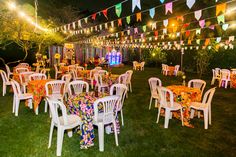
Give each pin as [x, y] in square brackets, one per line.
[184, 95]
[171, 70]
[16, 77]
[233, 80]
[82, 105]
[37, 88]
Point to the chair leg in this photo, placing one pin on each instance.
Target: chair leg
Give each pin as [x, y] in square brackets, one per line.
[150, 104]
[69, 133]
[158, 115]
[226, 84]
[56, 76]
[220, 83]
[122, 118]
[213, 81]
[167, 118]
[46, 106]
[192, 113]
[50, 135]
[205, 112]
[101, 136]
[182, 117]
[17, 103]
[4, 89]
[14, 104]
[115, 132]
[209, 115]
[130, 86]
[60, 135]
[199, 114]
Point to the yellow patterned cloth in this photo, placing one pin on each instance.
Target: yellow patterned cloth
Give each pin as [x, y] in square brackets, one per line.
[185, 95]
[171, 70]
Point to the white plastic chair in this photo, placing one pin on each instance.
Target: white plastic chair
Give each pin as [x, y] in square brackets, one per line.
[67, 79]
[215, 77]
[54, 90]
[74, 75]
[43, 71]
[79, 68]
[165, 69]
[168, 104]
[5, 82]
[37, 76]
[98, 68]
[71, 67]
[63, 122]
[57, 71]
[24, 79]
[91, 76]
[18, 96]
[20, 70]
[225, 77]
[153, 84]
[142, 66]
[197, 83]
[176, 70]
[119, 90]
[9, 73]
[76, 87]
[134, 65]
[108, 116]
[123, 79]
[129, 80]
[204, 106]
[99, 83]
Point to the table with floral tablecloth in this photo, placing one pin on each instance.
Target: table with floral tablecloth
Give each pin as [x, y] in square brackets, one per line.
[184, 95]
[82, 105]
[37, 88]
[171, 70]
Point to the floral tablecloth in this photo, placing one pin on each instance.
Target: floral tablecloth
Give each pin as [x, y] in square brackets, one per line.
[82, 105]
[64, 69]
[16, 77]
[37, 88]
[184, 95]
[171, 70]
[233, 80]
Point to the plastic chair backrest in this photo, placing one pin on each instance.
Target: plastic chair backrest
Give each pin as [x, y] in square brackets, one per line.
[25, 77]
[5, 79]
[16, 87]
[197, 83]
[225, 74]
[102, 72]
[20, 70]
[207, 98]
[37, 76]
[130, 73]
[54, 105]
[55, 87]
[166, 96]
[119, 90]
[123, 79]
[76, 87]
[109, 108]
[154, 82]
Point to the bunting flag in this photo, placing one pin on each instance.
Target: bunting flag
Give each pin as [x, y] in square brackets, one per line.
[138, 16]
[189, 42]
[218, 39]
[68, 26]
[198, 14]
[128, 32]
[144, 28]
[221, 19]
[202, 23]
[154, 26]
[156, 33]
[220, 8]
[187, 33]
[168, 7]
[105, 13]
[225, 26]
[231, 38]
[162, 1]
[106, 26]
[186, 25]
[86, 20]
[198, 31]
[136, 3]
[119, 22]
[100, 26]
[96, 28]
[128, 19]
[180, 18]
[118, 9]
[190, 3]
[73, 25]
[178, 34]
[136, 30]
[212, 27]
[152, 12]
[94, 16]
[112, 24]
[207, 41]
[198, 41]
[165, 22]
[65, 28]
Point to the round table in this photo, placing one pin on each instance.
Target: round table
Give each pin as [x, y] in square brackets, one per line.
[185, 95]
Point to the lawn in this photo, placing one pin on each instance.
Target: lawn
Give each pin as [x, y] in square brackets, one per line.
[27, 134]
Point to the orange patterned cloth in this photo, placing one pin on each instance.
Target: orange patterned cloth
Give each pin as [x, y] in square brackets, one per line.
[83, 73]
[16, 77]
[185, 95]
[171, 70]
[64, 69]
[233, 80]
[37, 88]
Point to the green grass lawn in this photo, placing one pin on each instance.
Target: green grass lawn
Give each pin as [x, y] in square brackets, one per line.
[27, 134]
